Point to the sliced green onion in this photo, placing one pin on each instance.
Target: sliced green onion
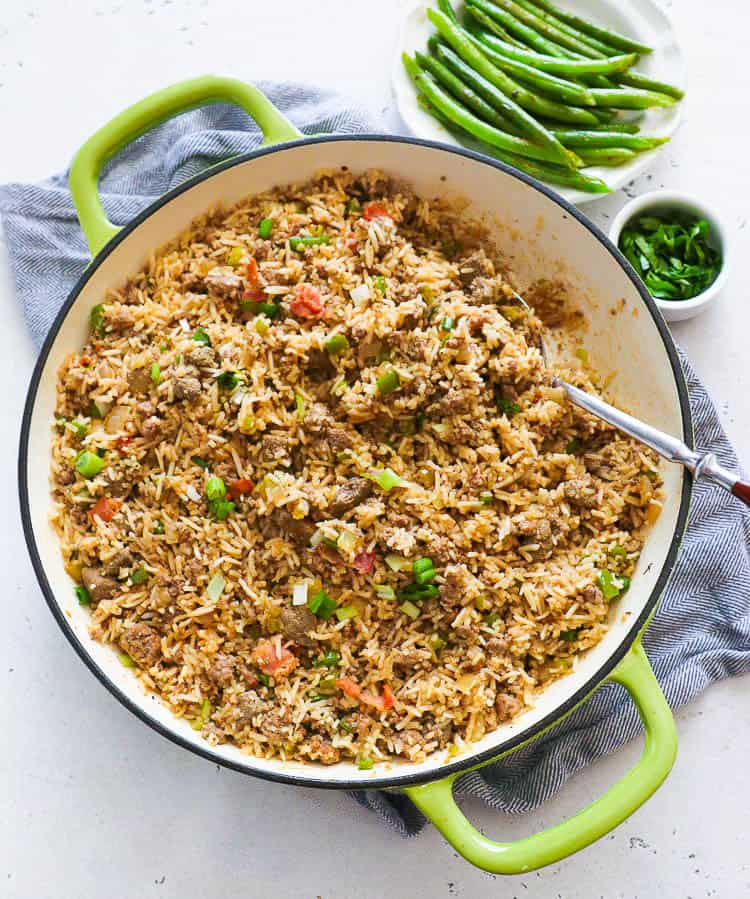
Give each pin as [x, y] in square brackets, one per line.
[422, 564]
[83, 595]
[89, 464]
[447, 324]
[97, 318]
[299, 403]
[261, 326]
[408, 608]
[507, 407]
[155, 373]
[570, 636]
[612, 584]
[573, 446]
[215, 587]
[364, 763]
[270, 310]
[201, 336]
[380, 284]
[227, 380]
[425, 577]
[221, 509]
[492, 619]
[387, 479]
[384, 591]
[486, 498]
[345, 727]
[198, 460]
[265, 228]
[264, 679]
[158, 527]
[235, 256]
[215, 488]
[419, 592]
[329, 659]
[95, 411]
[617, 550]
[428, 294]
[299, 243]
[346, 612]
[437, 644]
[139, 576]
[336, 344]
[388, 382]
[353, 206]
[322, 605]
[346, 542]
[125, 660]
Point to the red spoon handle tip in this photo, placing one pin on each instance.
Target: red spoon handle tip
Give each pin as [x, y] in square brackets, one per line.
[742, 491]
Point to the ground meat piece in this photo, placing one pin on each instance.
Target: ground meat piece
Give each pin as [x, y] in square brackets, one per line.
[407, 662]
[497, 645]
[324, 751]
[146, 407]
[224, 282]
[581, 492]
[273, 723]
[416, 348]
[142, 644]
[297, 622]
[592, 594]
[484, 290]
[187, 388]
[276, 447]
[201, 357]
[455, 402]
[221, 670]
[507, 706]
[300, 530]
[350, 494]
[123, 559]
[65, 477]
[440, 549]
[474, 265]
[99, 585]
[152, 427]
[439, 733]
[139, 380]
[453, 590]
[319, 366]
[249, 704]
[120, 319]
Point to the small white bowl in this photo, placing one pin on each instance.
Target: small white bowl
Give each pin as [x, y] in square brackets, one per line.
[661, 201]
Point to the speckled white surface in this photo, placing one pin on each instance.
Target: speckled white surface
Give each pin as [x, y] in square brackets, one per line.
[93, 803]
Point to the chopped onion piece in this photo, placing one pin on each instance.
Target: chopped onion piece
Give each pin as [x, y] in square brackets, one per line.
[396, 563]
[360, 293]
[215, 587]
[192, 493]
[299, 594]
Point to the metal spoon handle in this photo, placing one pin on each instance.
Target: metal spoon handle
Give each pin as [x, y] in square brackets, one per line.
[700, 465]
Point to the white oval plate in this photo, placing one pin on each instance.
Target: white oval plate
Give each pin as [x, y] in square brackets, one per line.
[641, 19]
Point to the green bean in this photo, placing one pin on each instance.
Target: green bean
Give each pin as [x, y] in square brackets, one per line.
[461, 91]
[465, 119]
[506, 21]
[566, 91]
[632, 98]
[592, 139]
[557, 23]
[446, 7]
[551, 32]
[635, 79]
[495, 97]
[620, 127]
[609, 156]
[612, 38]
[554, 64]
[470, 51]
[551, 174]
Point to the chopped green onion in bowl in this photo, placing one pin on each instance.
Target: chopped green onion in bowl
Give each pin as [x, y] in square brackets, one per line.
[265, 228]
[215, 587]
[388, 382]
[345, 613]
[89, 464]
[672, 253]
[387, 479]
[336, 344]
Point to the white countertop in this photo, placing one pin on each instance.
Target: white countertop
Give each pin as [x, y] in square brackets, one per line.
[93, 803]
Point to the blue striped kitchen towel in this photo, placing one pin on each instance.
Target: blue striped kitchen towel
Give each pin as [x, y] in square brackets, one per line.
[701, 632]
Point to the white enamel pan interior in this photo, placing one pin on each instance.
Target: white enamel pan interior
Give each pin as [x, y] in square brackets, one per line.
[542, 237]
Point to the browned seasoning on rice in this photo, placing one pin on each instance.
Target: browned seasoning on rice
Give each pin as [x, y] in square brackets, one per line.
[319, 488]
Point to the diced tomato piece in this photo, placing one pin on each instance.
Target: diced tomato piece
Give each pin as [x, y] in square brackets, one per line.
[254, 295]
[374, 211]
[123, 441]
[85, 361]
[350, 687]
[240, 487]
[274, 659]
[364, 562]
[105, 509]
[252, 273]
[307, 302]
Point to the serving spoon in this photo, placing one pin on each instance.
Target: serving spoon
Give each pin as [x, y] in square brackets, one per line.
[700, 465]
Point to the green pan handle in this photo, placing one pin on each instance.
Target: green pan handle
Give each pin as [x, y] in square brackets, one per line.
[144, 115]
[437, 802]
